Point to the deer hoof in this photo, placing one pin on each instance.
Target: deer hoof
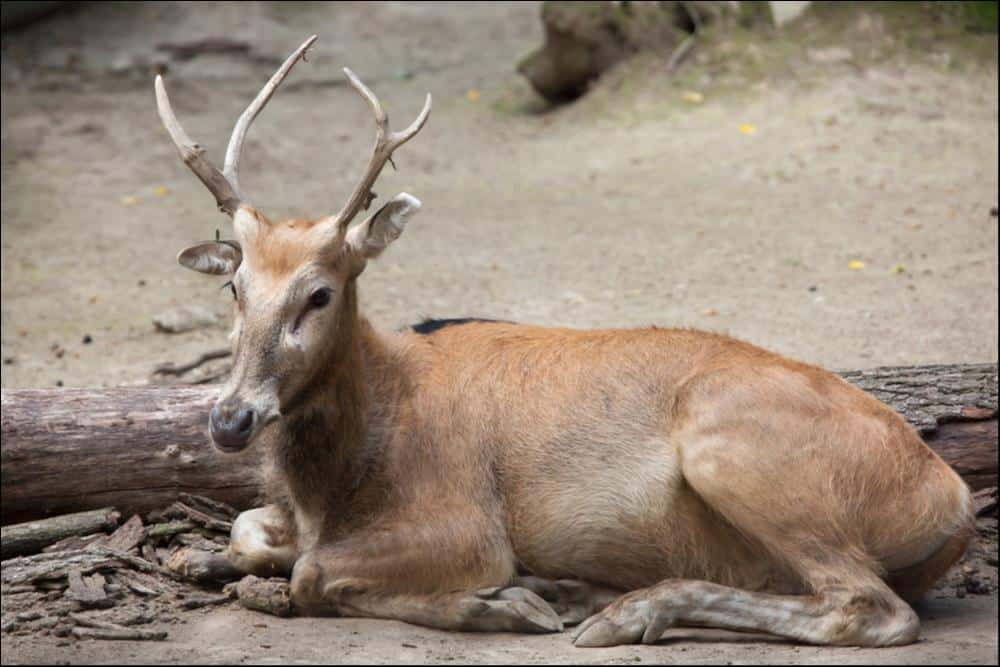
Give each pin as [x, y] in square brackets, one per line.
[574, 601]
[510, 609]
[629, 620]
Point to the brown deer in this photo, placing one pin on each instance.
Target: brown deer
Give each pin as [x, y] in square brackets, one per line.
[476, 475]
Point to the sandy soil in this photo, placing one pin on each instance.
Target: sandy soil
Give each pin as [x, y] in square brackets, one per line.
[955, 632]
[629, 207]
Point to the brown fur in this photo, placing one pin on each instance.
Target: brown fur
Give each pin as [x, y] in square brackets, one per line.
[428, 465]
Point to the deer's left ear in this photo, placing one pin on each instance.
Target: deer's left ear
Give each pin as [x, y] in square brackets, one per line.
[375, 234]
[213, 257]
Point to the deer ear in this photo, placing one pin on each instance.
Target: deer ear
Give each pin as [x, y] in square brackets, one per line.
[213, 257]
[375, 234]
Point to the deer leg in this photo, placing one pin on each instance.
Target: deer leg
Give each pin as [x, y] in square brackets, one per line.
[453, 573]
[319, 587]
[262, 542]
[571, 599]
[870, 615]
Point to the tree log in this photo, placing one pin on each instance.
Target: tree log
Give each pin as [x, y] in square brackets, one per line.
[138, 449]
[31, 537]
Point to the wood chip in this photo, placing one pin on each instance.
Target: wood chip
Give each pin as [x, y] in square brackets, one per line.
[54, 566]
[88, 591]
[128, 536]
[149, 553]
[202, 566]
[267, 595]
[142, 584]
[75, 543]
[985, 501]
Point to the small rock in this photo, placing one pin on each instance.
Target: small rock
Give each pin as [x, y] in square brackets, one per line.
[87, 339]
[831, 55]
[184, 318]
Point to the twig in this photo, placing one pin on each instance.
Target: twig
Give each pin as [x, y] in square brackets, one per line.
[201, 518]
[120, 633]
[680, 53]
[161, 530]
[208, 601]
[169, 368]
[685, 47]
[209, 506]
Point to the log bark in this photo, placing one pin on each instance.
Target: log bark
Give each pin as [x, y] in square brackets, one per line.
[138, 449]
[32, 536]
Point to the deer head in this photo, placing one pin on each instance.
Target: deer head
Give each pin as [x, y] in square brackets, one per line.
[292, 281]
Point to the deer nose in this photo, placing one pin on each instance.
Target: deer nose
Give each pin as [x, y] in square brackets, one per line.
[231, 425]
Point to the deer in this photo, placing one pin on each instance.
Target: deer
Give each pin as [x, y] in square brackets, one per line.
[475, 475]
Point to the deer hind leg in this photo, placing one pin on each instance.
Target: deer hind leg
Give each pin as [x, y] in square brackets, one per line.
[860, 616]
[262, 542]
[573, 600]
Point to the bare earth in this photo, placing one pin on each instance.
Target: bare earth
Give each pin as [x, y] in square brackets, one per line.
[630, 207]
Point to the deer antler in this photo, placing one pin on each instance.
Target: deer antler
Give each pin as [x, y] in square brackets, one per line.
[224, 185]
[385, 143]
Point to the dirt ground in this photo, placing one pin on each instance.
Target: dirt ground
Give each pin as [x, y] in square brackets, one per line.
[742, 213]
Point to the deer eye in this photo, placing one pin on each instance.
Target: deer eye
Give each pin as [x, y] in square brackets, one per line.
[320, 298]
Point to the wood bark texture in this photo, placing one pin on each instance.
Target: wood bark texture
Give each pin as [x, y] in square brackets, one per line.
[138, 449]
[31, 537]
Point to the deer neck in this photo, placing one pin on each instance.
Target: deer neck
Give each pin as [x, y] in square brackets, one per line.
[322, 455]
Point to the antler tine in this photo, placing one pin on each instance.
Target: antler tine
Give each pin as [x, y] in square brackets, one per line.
[193, 155]
[385, 143]
[231, 170]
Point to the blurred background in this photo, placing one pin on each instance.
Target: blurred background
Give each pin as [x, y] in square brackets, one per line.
[816, 178]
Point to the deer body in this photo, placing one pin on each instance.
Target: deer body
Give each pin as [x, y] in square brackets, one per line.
[496, 476]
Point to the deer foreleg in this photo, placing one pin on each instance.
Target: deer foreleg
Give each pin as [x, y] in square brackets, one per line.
[262, 542]
[449, 575]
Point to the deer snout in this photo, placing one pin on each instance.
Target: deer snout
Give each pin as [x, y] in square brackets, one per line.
[231, 425]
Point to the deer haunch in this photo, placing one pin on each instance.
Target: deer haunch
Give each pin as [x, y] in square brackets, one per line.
[415, 475]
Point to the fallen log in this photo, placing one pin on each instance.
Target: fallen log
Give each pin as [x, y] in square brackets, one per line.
[140, 448]
[137, 449]
[31, 537]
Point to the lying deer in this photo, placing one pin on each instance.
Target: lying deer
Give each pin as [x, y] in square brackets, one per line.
[475, 475]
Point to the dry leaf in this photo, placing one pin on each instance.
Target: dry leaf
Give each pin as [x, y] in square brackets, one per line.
[748, 129]
[855, 265]
[899, 268]
[692, 97]
[472, 95]
[129, 200]
[161, 191]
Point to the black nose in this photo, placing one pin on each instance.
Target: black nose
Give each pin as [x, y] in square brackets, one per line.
[231, 425]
